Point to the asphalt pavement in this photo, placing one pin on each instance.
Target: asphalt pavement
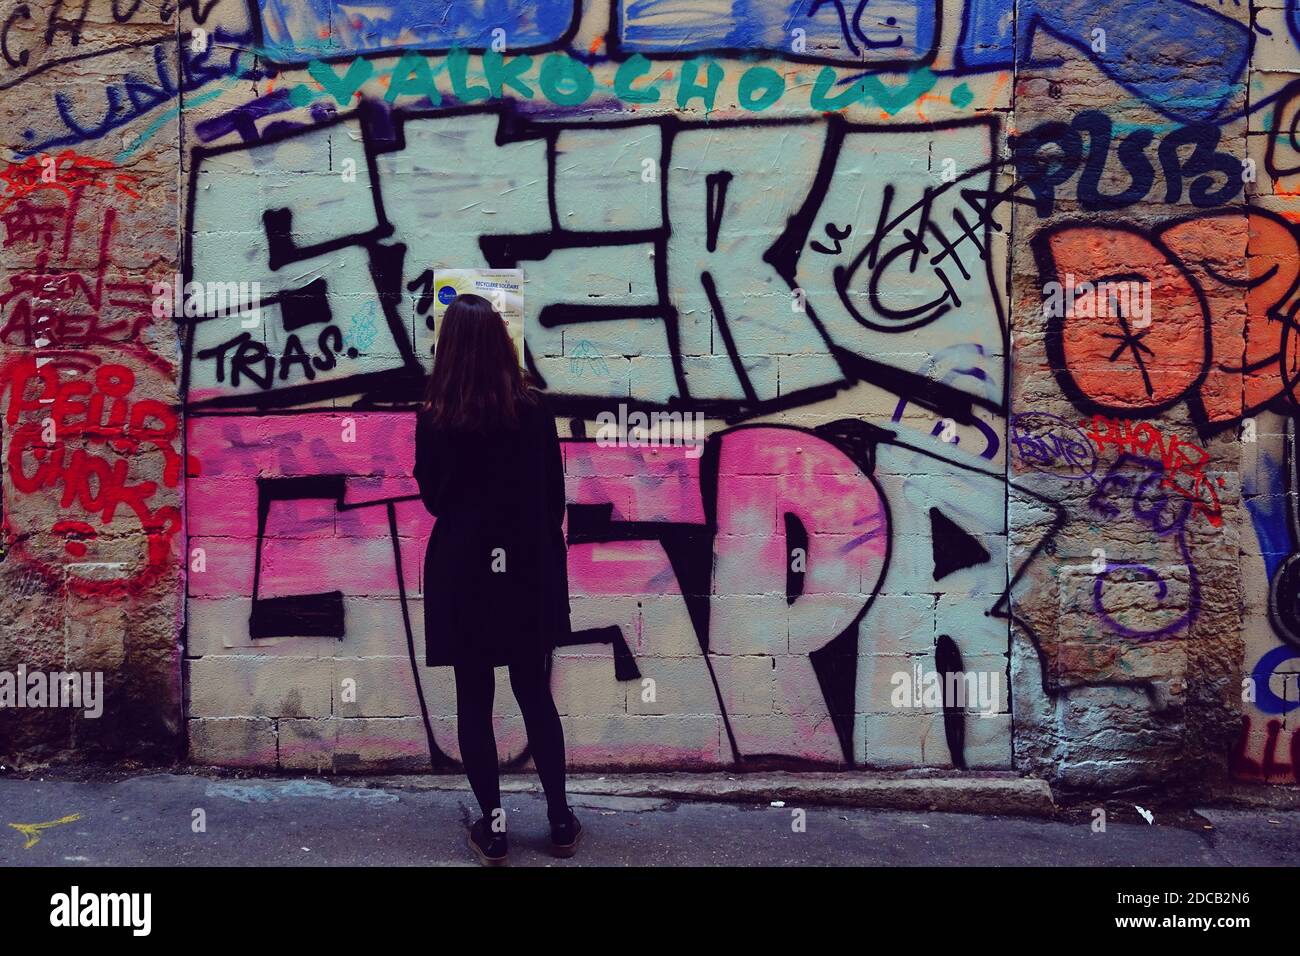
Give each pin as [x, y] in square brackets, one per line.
[167, 819]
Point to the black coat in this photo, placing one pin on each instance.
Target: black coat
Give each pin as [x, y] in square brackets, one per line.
[496, 584]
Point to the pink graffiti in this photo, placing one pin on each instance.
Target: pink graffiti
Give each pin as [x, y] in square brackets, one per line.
[763, 474]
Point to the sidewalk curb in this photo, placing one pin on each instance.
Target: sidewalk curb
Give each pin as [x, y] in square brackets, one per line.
[1008, 795]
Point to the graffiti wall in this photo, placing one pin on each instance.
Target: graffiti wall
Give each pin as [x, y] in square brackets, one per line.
[924, 371]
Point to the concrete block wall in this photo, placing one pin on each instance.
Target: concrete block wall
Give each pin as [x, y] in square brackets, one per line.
[832, 243]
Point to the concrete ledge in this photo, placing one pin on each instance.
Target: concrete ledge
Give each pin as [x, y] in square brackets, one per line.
[990, 793]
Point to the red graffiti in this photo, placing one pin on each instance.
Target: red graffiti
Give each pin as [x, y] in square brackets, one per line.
[81, 440]
[59, 302]
[1184, 461]
[30, 222]
[67, 172]
[74, 533]
[1266, 769]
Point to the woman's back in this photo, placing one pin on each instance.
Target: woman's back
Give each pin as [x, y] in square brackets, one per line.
[493, 472]
[501, 471]
[495, 577]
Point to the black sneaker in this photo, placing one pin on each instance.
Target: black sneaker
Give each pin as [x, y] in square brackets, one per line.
[490, 846]
[565, 835]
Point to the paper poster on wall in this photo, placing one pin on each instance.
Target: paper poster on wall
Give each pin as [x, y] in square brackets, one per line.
[503, 288]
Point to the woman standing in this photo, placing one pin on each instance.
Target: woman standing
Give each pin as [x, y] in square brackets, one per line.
[487, 460]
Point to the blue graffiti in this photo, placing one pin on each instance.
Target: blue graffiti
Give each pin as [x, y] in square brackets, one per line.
[292, 29]
[1132, 489]
[1145, 47]
[361, 328]
[846, 31]
[134, 96]
[1263, 490]
[1267, 701]
[1052, 445]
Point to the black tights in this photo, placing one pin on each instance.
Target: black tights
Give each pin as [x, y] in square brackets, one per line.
[475, 688]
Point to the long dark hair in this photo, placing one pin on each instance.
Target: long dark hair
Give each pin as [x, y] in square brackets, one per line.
[476, 383]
